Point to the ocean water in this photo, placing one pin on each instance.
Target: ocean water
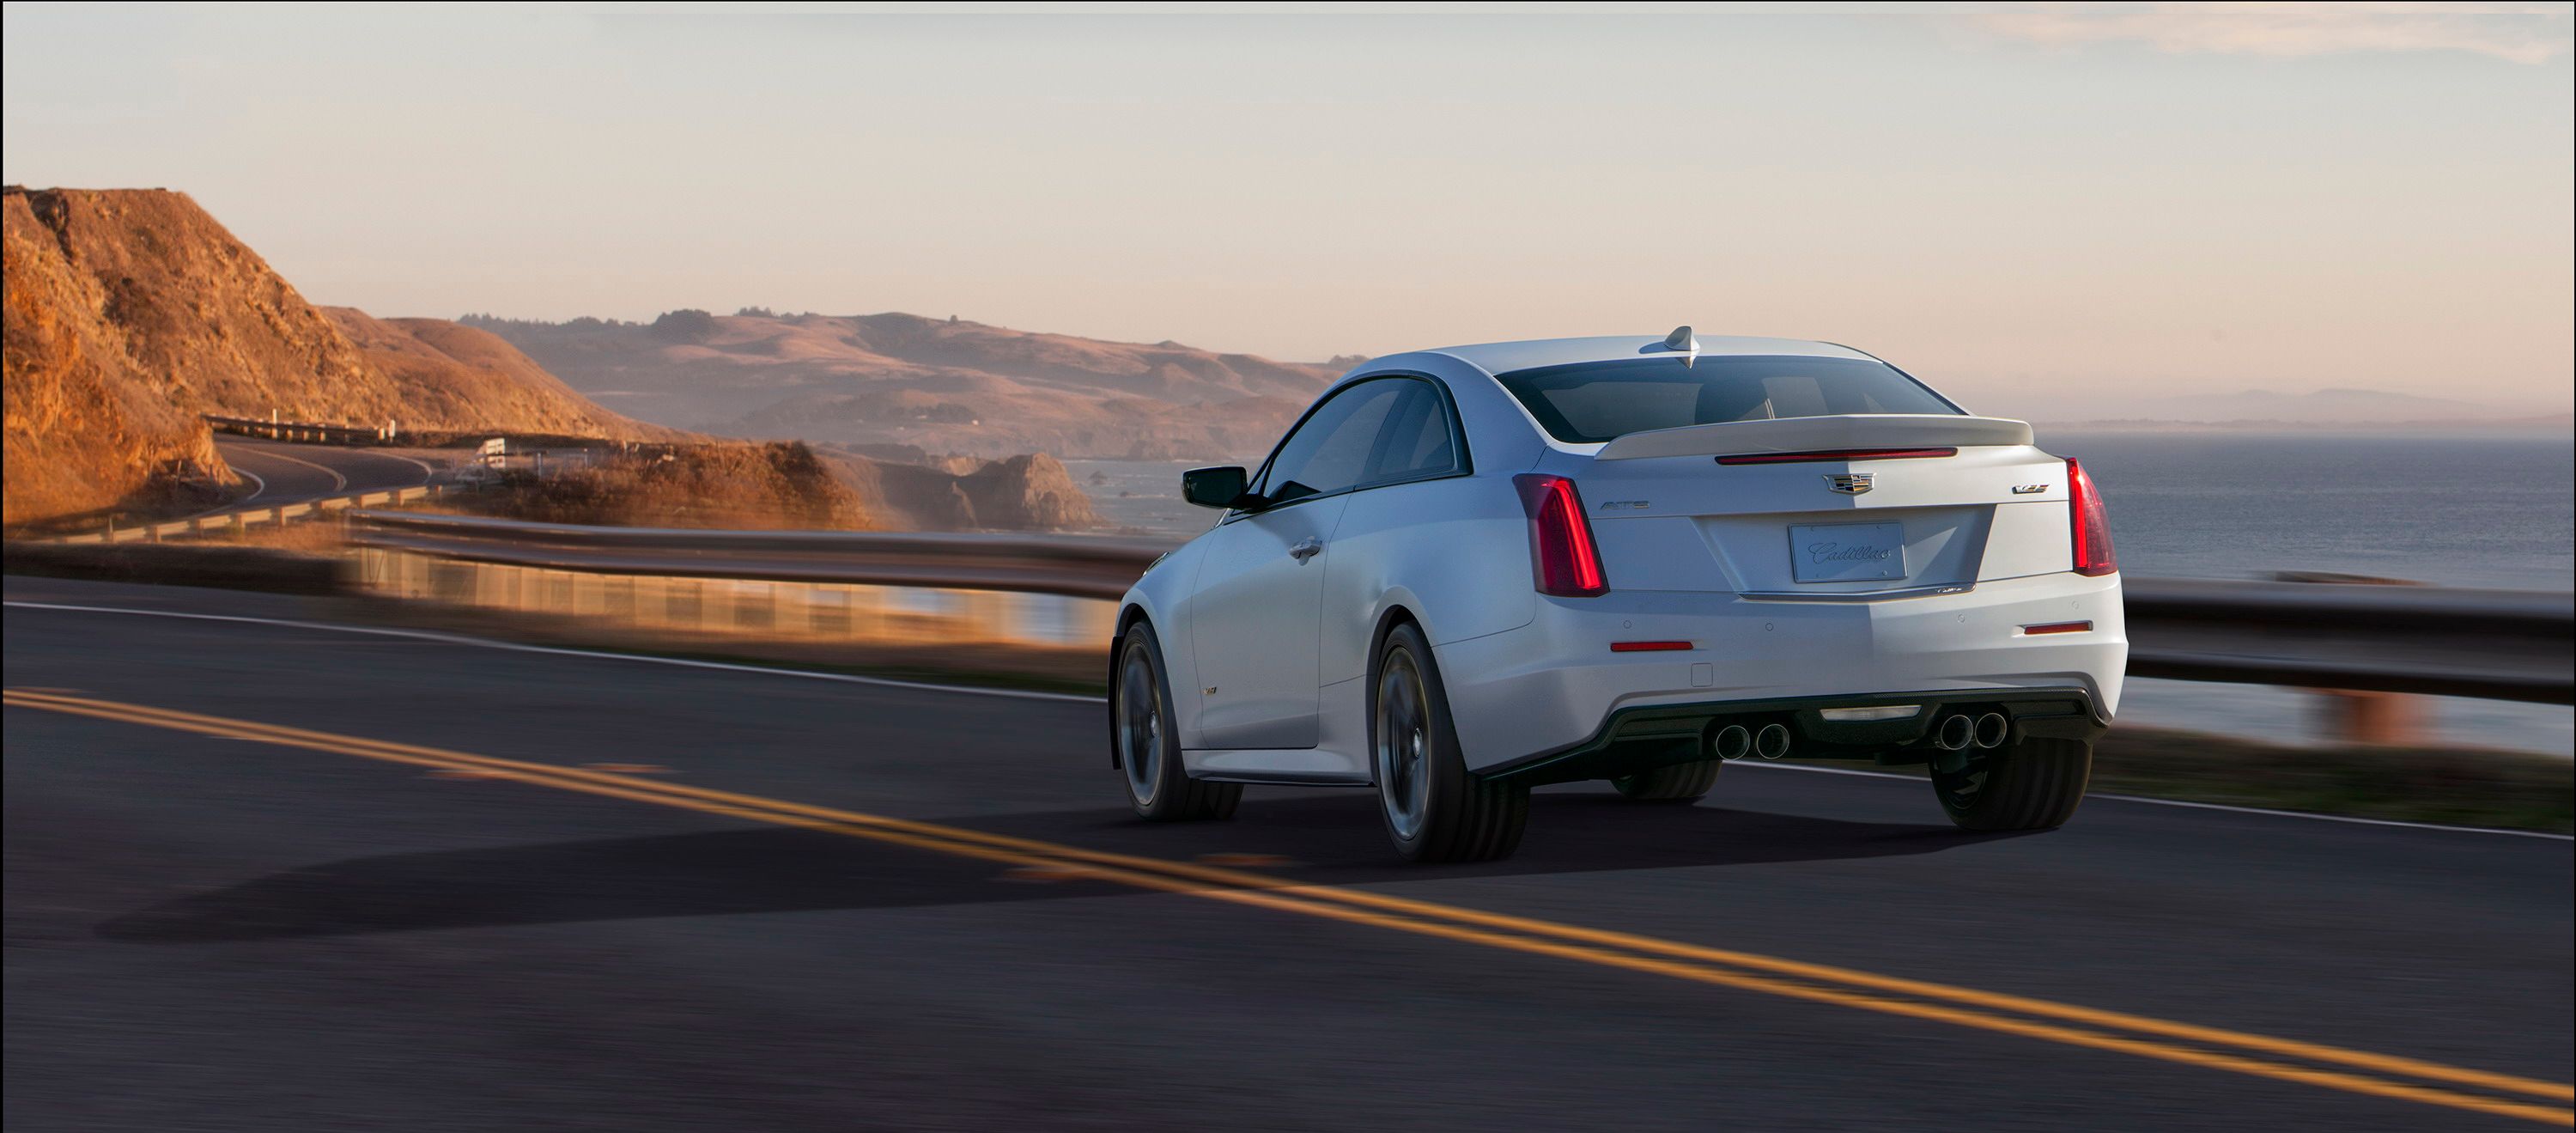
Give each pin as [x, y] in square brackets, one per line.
[1143, 496]
[2486, 511]
[2454, 511]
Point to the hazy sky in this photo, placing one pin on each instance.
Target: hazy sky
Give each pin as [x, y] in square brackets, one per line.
[2027, 201]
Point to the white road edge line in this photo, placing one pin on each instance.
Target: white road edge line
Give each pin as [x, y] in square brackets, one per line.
[1077, 698]
[427, 473]
[257, 486]
[515, 647]
[2090, 796]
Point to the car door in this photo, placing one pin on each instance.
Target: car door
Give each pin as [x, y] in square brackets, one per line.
[1419, 525]
[1255, 613]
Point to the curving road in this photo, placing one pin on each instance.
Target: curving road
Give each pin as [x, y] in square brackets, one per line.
[284, 473]
[265, 875]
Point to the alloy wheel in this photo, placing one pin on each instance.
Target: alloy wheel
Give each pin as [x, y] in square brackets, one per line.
[1140, 723]
[1402, 741]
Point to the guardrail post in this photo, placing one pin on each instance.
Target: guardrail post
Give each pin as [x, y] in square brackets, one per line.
[2380, 718]
[2383, 718]
[985, 615]
[1094, 619]
[755, 606]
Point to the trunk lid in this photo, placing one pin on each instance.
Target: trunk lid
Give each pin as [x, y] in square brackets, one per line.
[1803, 509]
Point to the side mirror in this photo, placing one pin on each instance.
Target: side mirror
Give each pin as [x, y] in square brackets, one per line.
[1219, 488]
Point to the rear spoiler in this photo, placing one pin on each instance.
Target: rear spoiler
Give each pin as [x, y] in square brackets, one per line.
[1808, 434]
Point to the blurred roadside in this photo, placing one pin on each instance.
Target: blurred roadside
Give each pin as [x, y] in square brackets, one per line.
[1047, 642]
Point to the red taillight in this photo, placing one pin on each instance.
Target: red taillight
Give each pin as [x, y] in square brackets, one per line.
[2092, 524]
[1836, 454]
[1563, 561]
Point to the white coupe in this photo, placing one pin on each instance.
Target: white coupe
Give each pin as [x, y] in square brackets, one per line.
[1470, 571]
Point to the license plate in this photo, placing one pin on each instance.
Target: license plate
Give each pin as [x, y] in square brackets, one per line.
[1847, 552]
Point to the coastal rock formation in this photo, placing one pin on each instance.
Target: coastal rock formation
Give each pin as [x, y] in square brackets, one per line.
[1028, 493]
[1022, 493]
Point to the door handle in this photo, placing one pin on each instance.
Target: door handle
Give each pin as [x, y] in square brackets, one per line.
[1305, 550]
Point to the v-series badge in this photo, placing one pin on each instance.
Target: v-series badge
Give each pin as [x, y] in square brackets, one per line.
[2029, 489]
[1616, 505]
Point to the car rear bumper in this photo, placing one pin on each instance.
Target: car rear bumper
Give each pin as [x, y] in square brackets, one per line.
[1643, 736]
[1536, 695]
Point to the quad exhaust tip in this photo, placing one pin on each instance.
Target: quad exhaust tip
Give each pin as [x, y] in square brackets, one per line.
[1954, 733]
[1772, 741]
[1993, 729]
[1731, 742]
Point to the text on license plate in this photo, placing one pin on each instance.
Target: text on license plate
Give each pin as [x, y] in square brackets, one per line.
[1847, 552]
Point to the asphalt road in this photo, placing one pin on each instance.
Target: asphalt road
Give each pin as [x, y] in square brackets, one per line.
[283, 473]
[214, 923]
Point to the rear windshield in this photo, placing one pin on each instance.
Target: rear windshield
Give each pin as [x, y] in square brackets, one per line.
[1596, 401]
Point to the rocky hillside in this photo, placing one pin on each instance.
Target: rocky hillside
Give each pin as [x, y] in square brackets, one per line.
[939, 385]
[730, 486]
[130, 312]
[79, 433]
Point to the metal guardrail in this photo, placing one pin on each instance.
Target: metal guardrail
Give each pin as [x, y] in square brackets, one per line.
[2493, 644]
[1075, 566]
[240, 518]
[299, 430]
[2504, 645]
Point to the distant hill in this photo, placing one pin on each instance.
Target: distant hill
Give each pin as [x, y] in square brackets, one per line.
[2323, 408]
[130, 312]
[937, 385]
[456, 377]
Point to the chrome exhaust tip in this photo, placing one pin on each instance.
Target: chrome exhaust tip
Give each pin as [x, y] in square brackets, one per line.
[1954, 733]
[1993, 730]
[1772, 741]
[1731, 742]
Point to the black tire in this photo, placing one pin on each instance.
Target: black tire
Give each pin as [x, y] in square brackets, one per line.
[1144, 744]
[1433, 809]
[1671, 783]
[2032, 785]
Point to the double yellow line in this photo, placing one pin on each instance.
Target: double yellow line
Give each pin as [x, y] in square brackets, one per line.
[2262, 1056]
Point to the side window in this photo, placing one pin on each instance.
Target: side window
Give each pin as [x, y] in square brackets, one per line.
[1418, 441]
[1332, 450]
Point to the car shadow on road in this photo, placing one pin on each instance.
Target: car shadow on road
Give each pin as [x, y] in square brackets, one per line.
[1319, 839]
